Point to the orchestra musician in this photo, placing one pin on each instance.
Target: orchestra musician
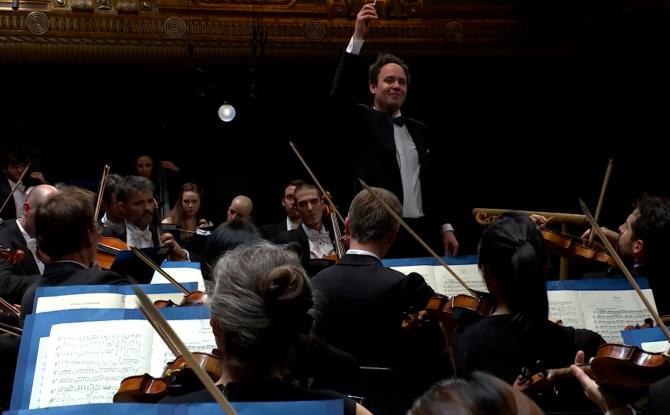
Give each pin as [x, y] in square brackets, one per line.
[362, 303]
[136, 195]
[313, 236]
[240, 209]
[13, 162]
[388, 149]
[67, 233]
[261, 304]
[293, 218]
[518, 333]
[645, 239]
[474, 393]
[114, 215]
[20, 234]
[186, 215]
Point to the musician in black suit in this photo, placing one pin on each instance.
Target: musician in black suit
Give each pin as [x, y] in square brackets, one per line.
[136, 195]
[293, 218]
[13, 163]
[20, 234]
[362, 303]
[389, 150]
[313, 235]
[66, 231]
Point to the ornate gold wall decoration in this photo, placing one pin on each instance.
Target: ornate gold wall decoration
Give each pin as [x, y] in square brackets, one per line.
[38, 23]
[175, 27]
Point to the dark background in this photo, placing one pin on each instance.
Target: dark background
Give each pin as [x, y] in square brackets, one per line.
[526, 131]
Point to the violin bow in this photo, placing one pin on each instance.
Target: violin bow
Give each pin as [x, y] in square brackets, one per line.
[152, 313]
[16, 185]
[418, 239]
[316, 181]
[625, 270]
[10, 308]
[103, 181]
[159, 270]
[599, 206]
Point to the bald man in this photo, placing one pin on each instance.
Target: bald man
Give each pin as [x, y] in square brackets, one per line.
[240, 209]
[20, 234]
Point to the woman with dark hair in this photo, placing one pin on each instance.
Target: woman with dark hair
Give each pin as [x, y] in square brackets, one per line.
[260, 307]
[518, 333]
[475, 394]
[226, 237]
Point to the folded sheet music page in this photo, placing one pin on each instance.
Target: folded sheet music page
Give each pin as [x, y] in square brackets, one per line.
[98, 300]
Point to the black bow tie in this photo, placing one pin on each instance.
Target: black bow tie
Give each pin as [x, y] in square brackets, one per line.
[399, 121]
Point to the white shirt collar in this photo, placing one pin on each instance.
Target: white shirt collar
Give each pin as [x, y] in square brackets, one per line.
[290, 225]
[362, 252]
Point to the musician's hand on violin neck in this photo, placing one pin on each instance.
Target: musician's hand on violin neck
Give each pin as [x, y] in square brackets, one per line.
[37, 175]
[540, 220]
[598, 395]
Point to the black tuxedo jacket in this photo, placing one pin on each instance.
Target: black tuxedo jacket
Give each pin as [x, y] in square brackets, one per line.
[270, 232]
[69, 273]
[362, 304]
[120, 231]
[372, 147]
[15, 279]
[299, 237]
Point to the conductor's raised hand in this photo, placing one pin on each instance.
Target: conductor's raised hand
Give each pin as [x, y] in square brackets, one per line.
[363, 18]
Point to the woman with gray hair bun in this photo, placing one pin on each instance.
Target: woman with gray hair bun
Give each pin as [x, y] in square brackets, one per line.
[260, 306]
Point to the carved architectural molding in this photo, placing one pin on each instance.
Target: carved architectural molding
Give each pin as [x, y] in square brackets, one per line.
[117, 30]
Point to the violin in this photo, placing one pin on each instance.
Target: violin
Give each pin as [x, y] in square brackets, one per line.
[447, 311]
[108, 248]
[12, 256]
[141, 389]
[176, 375]
[624, 368]
[575, 248]
[330, 210]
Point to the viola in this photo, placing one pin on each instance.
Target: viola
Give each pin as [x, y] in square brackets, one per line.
[184, 378]
[575, 248]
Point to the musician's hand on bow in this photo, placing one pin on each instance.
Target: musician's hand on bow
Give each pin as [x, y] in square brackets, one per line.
[37, 175]
[167, 164]
[450, 243]
[204, 223]
[363, 18]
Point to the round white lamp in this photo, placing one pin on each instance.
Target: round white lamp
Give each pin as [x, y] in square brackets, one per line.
[226, 112]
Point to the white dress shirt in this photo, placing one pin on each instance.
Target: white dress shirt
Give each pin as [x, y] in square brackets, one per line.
[31, 243]
[138, 238]
[320, 244]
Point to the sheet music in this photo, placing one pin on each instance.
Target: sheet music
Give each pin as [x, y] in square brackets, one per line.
[448, 285]
[608, 312]
[197, 335]
[86, 361]
[72, 301]
[426, 272]
[181, 275]
[40, 363]
[564, 305]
